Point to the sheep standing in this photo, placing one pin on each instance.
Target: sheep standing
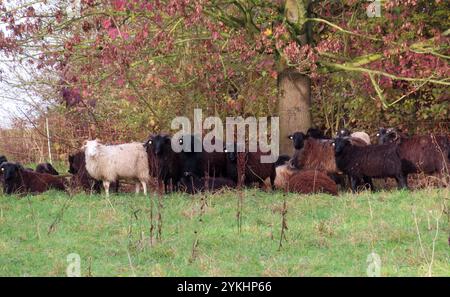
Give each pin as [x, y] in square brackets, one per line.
[17, 179]
[377, 161]
[420, 153]
[165, 163]
[109, 163]
[313, 154]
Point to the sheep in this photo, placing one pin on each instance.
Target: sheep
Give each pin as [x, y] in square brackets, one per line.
[81, 178]
[255, 171]
[316, 133]
[109, 163]
[377, 161]
[202, 163]
[19, 180]
[318, 154]
[2, 160]
[282, 160]
[420, 153]
[164, 162]
[311, 181]
[282, 176]
[359, 135]
[312, 153]
[46, 168]
[193, 185]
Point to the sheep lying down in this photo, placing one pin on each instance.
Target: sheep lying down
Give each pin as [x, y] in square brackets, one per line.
[110, 163]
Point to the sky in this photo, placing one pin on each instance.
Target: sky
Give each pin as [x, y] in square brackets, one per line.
[13, 101]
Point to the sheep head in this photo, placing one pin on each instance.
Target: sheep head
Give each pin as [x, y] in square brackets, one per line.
[344, 132]
[10, 171]
[389, 135]
[298, 139]
[340, 143]
[158, 144]
[91, 147]
[314, 133]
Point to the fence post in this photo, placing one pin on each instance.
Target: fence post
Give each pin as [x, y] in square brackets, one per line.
[48, 141]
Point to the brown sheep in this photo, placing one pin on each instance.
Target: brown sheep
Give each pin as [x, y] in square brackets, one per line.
[19, 180]
[311, 181]
[283, 174]
[318, 154]
[313, 154]
[421, 153]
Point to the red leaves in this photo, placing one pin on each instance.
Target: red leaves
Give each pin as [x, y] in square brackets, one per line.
[106, 23]
[113, 33]
[119, 5]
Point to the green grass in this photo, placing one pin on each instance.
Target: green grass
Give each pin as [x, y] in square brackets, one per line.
[326, 236]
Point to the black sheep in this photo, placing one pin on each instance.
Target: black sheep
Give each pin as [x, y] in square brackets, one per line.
[316, 133]
[377, 161]
[282, 159]
[46, 168]
[420, 153]
[81, 178]
[255, 171]
[19, 180]
[164, 162]
[199, 164]
[344, 132]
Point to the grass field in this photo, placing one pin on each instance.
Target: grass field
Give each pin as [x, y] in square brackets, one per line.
[326, 236]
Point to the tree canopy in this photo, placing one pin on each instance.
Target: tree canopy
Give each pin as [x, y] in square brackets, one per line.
[138, 63]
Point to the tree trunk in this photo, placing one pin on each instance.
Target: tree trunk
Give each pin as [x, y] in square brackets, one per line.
[294, 106]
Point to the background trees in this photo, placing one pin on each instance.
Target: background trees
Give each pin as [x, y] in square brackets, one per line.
[134, 65]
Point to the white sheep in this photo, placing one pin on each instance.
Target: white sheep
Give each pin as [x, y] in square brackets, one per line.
[361, 135]
[110, 163]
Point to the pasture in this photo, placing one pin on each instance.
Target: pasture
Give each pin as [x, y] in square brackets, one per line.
[199, 235]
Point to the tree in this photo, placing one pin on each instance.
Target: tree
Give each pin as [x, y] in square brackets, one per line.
[139, 63]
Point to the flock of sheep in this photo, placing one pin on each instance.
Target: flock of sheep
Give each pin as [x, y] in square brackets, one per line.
[318, 164]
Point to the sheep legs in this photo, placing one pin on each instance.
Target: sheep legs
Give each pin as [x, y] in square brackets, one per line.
[402, 181]
[368, 181]
[144, 187]
[106, 186]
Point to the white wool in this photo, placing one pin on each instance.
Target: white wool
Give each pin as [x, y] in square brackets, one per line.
[110, 163]
[283, 173]
[361, 135]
